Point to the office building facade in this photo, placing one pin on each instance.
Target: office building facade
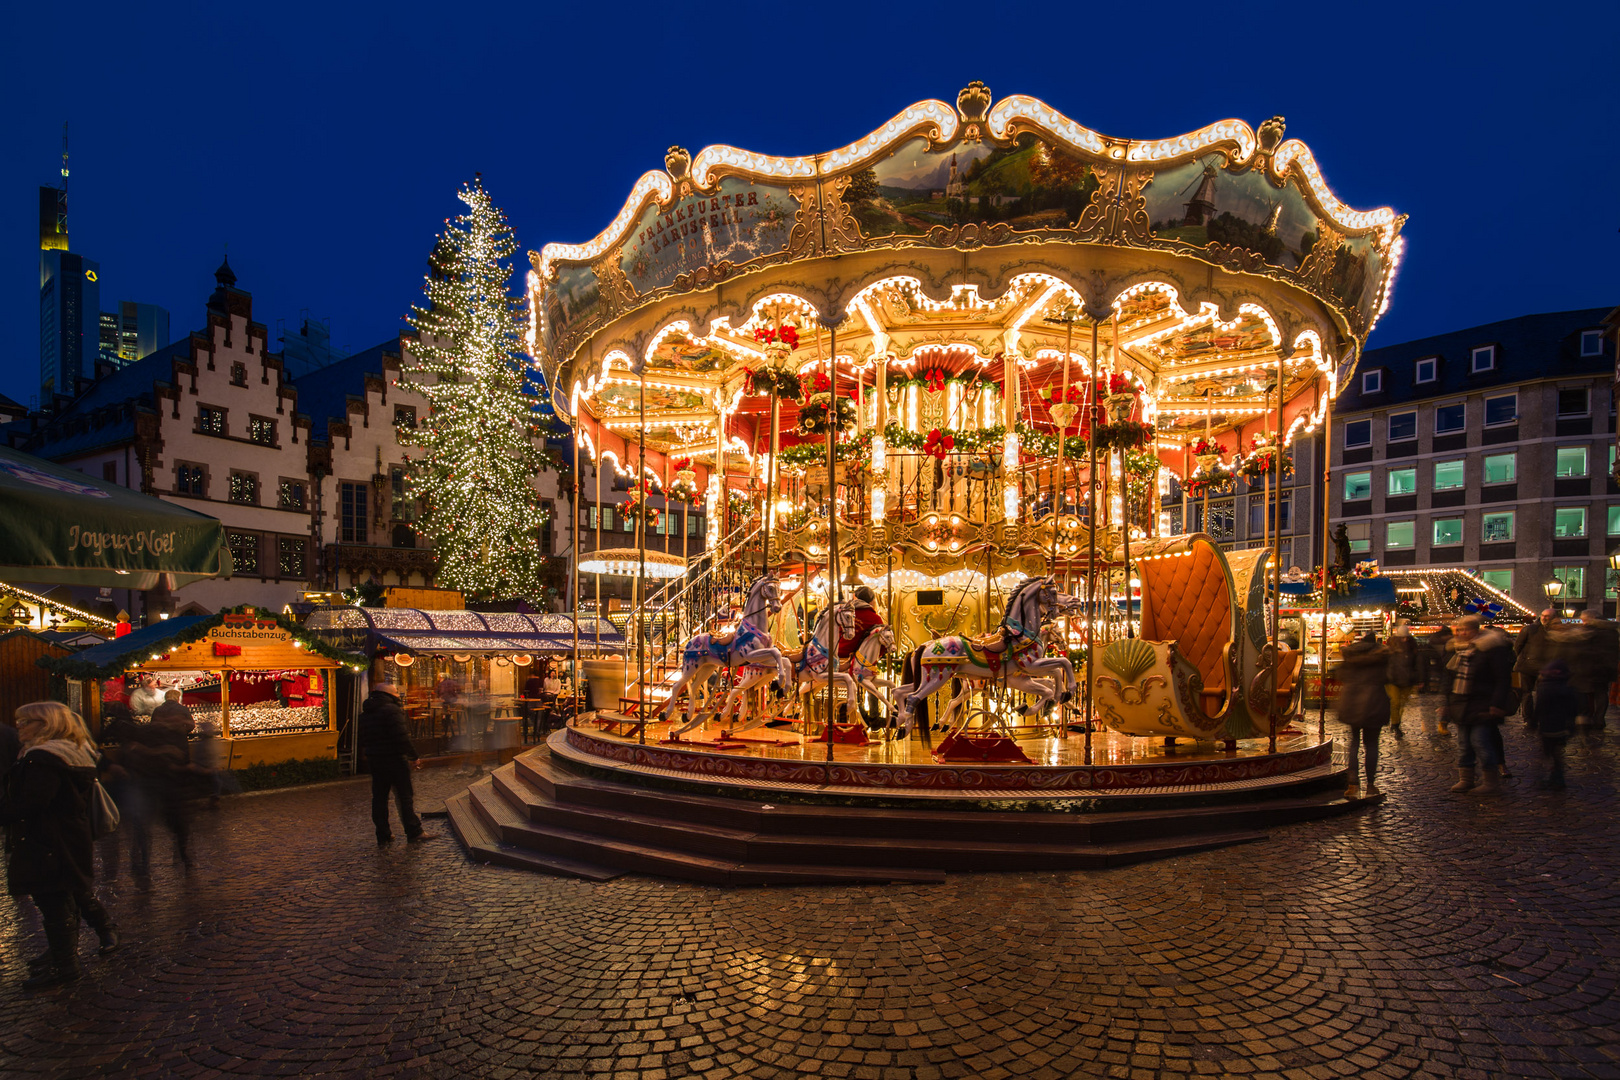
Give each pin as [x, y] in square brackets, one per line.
[1489, 449]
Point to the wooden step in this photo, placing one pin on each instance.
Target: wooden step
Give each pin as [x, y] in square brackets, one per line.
[874, 851]
[550, 776]
[648, 858]
[483, 845]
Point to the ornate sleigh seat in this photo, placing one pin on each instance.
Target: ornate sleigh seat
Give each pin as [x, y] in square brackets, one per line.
[1176, 679]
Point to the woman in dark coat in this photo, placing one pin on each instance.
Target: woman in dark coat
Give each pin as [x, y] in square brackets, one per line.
[1364, 705]
[46, 811]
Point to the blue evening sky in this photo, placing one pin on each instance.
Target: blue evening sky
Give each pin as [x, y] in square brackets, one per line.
[324, 142]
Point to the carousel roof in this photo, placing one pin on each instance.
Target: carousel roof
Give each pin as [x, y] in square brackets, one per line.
[1200, 266]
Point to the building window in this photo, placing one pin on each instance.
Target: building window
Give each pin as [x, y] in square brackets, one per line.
[1570, 461]
[1496, 527]
[1372, 382]
[1258, 513]
[290, 495]
[210, 421]
[352, 512]
[262, 431]
[238, 374]
[404, 536]
[1591, 343]
[244, 552]
[1501, 468]
[1569, 522]
[1357, 486]
[190, 480]
[1574, 401]
[404, 416]
[1360, 536]
[1574, 579]
[1400, 534]
[1447, 532]
[1448, 475]
[1614, 519]
[1358, 433]
[1222, 519]
[290, 556]
[1448, 418]
[1403, 481]
[549, 509]
[694, 522]
[1426, 371]
[244, 488]
[1502, 410]
[399, 483]
[1482, 359]
[1498, 579]
[1402, 426]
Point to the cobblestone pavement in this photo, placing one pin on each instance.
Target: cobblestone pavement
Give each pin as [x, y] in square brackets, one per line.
[1436, 935]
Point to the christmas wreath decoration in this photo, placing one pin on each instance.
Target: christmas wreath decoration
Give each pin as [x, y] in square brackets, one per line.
[1124, 435]
[813, 414]
[779, 381]
[1261, 460]
[1206, 478]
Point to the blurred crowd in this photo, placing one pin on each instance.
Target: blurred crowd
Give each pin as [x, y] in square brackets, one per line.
[1556, 674]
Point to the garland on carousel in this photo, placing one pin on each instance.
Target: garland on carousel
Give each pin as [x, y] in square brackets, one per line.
[1261, 460]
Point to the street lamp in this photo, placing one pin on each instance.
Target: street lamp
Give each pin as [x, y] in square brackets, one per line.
[1614, 561]
[1553, 588]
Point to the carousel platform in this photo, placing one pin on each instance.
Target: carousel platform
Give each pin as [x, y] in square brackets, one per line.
[594, 805]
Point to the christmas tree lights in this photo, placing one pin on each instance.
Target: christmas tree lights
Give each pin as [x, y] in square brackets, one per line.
[479, 449]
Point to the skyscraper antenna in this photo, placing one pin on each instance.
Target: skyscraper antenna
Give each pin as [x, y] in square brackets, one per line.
[64, 156]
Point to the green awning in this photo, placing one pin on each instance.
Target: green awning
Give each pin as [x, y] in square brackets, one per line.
[63, 527]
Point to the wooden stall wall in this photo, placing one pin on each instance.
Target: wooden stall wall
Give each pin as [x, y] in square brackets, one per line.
[21, 679]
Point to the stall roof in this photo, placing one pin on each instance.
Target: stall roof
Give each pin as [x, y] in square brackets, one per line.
[417, 630]
[173, 635]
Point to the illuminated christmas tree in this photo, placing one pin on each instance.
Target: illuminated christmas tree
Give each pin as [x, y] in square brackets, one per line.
[478, 449]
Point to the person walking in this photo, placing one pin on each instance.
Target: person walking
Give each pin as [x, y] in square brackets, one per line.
[1481, 698]
[1364, 706]
[1603, 664]
[389, 754]
[1440, 647]
[1557, 705]
[46, 811]
[1403, 672]
[1531, 652]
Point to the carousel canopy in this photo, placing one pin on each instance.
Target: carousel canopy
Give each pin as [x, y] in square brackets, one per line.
[1201, 269]
[627, 562]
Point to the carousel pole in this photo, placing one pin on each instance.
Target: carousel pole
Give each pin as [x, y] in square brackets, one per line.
[1091, 541]
[1062, 485]
[770, 481]
[596, 475]
[1124, 496]
[573, 592]
[1273, 581]
[834, 587]
[639, 591]
[1327, 479]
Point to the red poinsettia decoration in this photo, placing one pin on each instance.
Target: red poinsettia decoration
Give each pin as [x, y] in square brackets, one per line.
[934, 381]
[820, 383]
[789, 336]
[1205, 447]
[938, 444]
[1116, 383]
[681, 463]
[1076, 395]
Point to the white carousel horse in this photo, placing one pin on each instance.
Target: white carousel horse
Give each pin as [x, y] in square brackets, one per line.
[809, 665]
[1013, 656]
[749, 648]
[863, 664]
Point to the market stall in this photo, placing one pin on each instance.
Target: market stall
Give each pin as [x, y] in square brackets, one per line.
[463, 673]
[264, 685]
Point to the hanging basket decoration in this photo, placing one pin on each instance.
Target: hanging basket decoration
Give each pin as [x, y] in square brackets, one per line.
[685, 485]
[636, 508]
[1261, 460]
[1207, 452]
[813, 414]
[1206, 479]
[779, 344]
[1124, 435]
[779, 381]
[1118, 395]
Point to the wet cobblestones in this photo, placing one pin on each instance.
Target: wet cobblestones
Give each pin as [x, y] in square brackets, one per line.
[1436, 935]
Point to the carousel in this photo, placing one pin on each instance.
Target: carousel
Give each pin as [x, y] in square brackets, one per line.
[931, 388]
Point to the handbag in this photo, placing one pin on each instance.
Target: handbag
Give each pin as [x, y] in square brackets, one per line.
[104, 816]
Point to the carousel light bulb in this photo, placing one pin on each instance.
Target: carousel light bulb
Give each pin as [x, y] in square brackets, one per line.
[879, 502]
[880, 453]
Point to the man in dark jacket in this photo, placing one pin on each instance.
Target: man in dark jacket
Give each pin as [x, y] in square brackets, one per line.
[1481, 698]
[1364, 706]
[1557, 705]
[1531, 652]
[389, 754]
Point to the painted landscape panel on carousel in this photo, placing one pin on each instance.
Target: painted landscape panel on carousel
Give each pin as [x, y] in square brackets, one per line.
[1199, 203]
[622, 399]
[737, 222]
[573, 296]
[1028, 185]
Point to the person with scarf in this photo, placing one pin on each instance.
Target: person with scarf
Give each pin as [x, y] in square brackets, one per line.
[46, 811]
[1481, 698]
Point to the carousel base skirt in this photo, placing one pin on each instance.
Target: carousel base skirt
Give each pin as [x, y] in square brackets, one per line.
[594, 805]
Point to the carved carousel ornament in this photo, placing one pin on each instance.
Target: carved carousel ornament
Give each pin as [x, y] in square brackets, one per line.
[843, 356]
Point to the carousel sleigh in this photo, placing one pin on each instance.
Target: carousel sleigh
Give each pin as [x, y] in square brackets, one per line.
[1203, 666]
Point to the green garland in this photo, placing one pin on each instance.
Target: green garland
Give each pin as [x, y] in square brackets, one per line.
[784, 382]
[71, 667]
